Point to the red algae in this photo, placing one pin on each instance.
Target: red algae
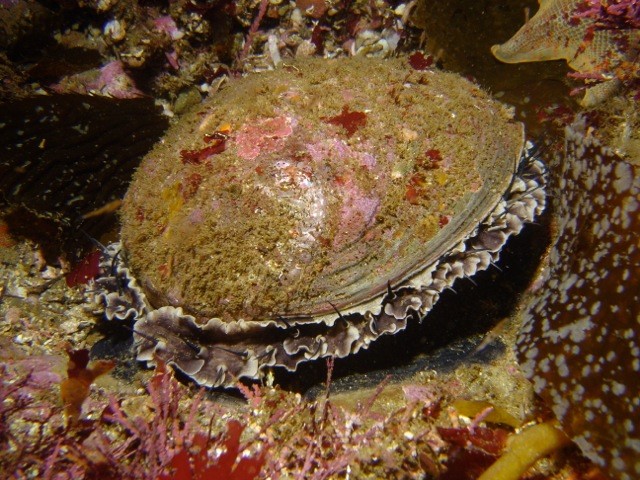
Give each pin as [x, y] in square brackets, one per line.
[435, 156]
[85, 271]
[420, 61]
[74, 390]
[350, 120]
[197, 157]
[490, 440]
[190, 185]
[415, 189]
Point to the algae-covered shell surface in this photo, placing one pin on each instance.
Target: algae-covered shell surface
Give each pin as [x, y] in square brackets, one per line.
[304, 212]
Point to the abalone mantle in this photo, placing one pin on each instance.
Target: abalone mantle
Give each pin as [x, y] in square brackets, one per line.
[305, 212]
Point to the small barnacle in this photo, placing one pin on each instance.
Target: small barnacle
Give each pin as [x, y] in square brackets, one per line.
[115, 30]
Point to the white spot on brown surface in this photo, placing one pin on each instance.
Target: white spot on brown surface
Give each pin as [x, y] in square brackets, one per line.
[586, 319]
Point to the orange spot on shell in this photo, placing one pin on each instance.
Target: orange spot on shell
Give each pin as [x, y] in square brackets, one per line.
[415, 189]
[164, 270]
[434, 155]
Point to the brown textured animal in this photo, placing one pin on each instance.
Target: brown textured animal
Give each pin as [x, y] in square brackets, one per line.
[579, 344]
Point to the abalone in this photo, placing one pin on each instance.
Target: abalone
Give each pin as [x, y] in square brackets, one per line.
[304, 212]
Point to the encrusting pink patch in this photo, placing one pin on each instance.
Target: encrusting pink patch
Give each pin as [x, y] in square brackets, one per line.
[334, 148]
[357, 212]
[266, 135]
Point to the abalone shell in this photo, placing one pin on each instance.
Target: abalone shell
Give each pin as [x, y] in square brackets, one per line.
[306, 211]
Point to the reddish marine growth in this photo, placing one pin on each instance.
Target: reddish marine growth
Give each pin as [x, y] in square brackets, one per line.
[349, 120]
[194, 462]
[190, 185]
[471, 451]
[419, 61]
[86, 270]
[74, 390]
[435, 156]
[197, 157]
[611, 14]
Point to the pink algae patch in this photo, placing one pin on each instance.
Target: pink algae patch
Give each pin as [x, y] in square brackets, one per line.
[357, 212]
[196, 216]
[337, 149]
[266, 135]
[166, 24]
